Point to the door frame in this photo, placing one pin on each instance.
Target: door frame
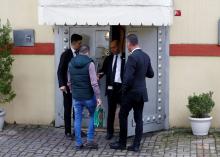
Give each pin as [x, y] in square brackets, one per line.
[167, 74]
[62, 42]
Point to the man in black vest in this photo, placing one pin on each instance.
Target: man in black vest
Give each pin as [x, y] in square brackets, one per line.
[85, 93]
[62, 79]
[113, 68]
[134, 93]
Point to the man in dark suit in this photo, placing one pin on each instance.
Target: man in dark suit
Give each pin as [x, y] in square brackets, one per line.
[113, 68]
[62, 79]
[134, 93]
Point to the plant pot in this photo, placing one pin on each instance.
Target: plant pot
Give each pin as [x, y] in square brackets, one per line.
[2, 118]
[200, 126]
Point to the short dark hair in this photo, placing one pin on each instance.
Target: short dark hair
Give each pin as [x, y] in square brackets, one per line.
[116, 42]
[84, 49]
[75, 37]
[133, 39]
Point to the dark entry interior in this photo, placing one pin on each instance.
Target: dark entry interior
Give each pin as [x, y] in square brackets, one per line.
[118, 33]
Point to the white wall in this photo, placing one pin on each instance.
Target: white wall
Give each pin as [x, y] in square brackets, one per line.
[23, 14]
[34, 86]
[190, 75]
[198, 23]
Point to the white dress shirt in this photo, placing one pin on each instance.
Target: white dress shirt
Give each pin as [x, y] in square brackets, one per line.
[118, 69]
[138, 48]
[73, 51]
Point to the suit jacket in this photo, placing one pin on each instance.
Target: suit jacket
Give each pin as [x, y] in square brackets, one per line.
[107, 69]
[137, 68]
[63, 67]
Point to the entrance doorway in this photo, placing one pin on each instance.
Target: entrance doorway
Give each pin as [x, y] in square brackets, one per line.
[153, 40]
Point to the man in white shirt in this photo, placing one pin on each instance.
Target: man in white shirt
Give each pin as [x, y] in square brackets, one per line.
[134, 93]
[113, 68]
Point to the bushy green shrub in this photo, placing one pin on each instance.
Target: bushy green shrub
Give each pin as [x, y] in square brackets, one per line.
[201, 105]
[6, 92]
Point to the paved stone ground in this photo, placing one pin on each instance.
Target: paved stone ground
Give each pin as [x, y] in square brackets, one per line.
[39, 141]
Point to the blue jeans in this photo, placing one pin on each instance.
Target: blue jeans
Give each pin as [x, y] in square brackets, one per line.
[78, 109]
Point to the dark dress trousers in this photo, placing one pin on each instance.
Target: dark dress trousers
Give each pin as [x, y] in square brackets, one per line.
[67, 97]
[114, 94]
[134, 93]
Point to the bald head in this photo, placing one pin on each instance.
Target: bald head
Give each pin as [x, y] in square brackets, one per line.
[84, 49]
[114, 46]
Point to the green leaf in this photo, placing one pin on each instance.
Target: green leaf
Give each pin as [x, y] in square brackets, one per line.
[201, 105]
[6, 92]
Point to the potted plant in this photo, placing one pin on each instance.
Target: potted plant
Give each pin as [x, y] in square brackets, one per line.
[200, 106]
[6, 77]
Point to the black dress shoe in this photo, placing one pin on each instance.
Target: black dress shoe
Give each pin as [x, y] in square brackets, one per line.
[69, 136]
[133, 148]
[79, 147]
[91, 145]
[108, 136]
[117, 145]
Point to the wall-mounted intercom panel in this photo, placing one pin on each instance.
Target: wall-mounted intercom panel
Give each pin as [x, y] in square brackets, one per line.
[24, 37]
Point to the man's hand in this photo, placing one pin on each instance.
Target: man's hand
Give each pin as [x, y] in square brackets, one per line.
[69, 85]
[99, 102]
[98, 77]
[63, 89]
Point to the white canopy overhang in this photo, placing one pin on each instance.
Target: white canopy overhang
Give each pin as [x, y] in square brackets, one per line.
[105, 12]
